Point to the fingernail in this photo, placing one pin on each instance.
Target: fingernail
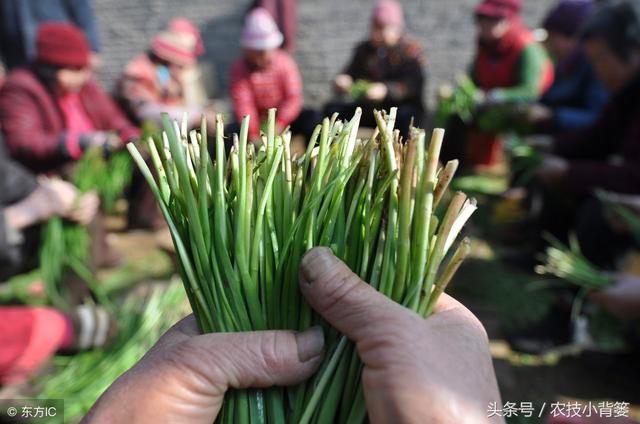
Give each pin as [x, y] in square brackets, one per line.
[315, 262]
[310, 343]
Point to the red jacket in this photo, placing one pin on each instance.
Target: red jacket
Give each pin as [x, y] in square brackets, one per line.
[254, 92]
[34, 126]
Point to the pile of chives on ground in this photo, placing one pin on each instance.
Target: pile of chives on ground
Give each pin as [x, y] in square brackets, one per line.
[80, 379]
[241, 222]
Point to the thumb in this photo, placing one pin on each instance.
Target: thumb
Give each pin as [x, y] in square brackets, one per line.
[184, 377]
[202, 368]
[256, 359]
[352, 306]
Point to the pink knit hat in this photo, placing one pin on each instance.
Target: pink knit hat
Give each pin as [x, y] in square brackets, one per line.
[260, 31]
[175, 47]
[185, 26]
[388, 13]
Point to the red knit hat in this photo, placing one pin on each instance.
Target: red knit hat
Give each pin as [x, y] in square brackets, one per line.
[62, 44]
[506, 9]
[175, 47]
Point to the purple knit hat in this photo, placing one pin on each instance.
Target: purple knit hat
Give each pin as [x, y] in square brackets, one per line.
[568, 16]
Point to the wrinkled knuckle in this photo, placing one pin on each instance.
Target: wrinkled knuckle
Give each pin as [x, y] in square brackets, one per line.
[178, 355]
[270, 351]
[388, 341]
[341, 292]
[196, 366]
[387, 338]
[190, 357]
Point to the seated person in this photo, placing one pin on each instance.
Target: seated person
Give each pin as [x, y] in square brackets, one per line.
[390, 67]
[19, 21]
[267, 77]
[576, 97]
[50, 113]
[160, 80]
[606, 154]
[194, 78]
[29, 336]
[509, 65]
[25, 202]
[509, 68]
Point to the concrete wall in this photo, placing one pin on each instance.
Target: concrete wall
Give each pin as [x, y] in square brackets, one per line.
[327, 31]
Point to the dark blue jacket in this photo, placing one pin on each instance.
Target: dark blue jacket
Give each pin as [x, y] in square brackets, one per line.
[576, 96]
[19, 21]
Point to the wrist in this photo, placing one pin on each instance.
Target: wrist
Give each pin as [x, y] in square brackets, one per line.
[20, 216]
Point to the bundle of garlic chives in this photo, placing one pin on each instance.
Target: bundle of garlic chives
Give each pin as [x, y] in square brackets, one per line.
[568, 263]
[241, 222]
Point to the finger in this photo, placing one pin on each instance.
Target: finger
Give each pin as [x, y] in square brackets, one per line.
[349, 304]
[64, 193]
[192, 373]
[83, 218]
[91, 204]
[82, 214]
[86, 209]
[251, 359]
[92, 194]
[277, 351]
